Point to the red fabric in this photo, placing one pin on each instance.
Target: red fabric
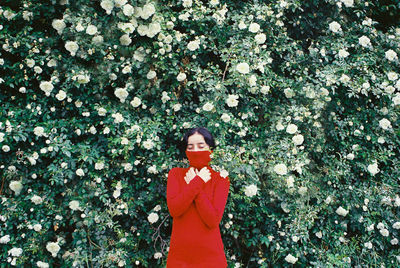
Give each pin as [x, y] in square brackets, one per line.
[196, 209]
[198, 159]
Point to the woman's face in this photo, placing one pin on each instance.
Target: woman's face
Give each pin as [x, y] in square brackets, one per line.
[196, 142]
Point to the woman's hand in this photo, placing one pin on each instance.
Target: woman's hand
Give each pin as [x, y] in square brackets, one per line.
[204, 173]
[190, 174]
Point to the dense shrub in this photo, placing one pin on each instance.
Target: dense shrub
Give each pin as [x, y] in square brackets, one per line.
[302, 97]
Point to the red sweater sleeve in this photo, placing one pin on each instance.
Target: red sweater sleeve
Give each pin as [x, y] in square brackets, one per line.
[178, 201]
[211, 211]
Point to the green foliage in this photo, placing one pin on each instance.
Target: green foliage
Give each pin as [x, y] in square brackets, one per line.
[96, 96]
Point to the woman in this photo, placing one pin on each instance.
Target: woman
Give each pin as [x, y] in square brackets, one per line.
[196, 199]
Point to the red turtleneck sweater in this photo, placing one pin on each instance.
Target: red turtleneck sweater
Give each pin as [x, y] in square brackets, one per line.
[196, 209]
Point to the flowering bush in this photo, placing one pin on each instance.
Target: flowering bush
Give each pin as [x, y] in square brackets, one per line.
[302, 96]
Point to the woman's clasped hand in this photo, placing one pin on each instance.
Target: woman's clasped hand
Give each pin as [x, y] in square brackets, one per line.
[204, 174]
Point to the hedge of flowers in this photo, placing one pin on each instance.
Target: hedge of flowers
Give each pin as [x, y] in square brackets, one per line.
[302, 96]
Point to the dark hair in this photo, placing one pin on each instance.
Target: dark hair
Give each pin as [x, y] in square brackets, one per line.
[208, 138]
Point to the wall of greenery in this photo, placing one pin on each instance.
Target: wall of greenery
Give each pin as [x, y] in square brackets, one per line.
[303, 98]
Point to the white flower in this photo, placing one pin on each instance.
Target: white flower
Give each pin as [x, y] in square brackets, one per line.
[373, 169]
[394, 241]
[72, 47]
[193, 45]
[187, 3]
[260, 38]
[364, 41]
[385, 124]
[128, 10]
[136, 102]
[289, 93]
[225, 117]
[298, 139]
[291, 128]
[38, 131]
[392, 76]
[391, 55]
[61, 95]
[80, 172]
[148, 144]
[157, 208]
[16, 186]
[37, 227]
[176, 107]
[46, 86]
[59, 25]
[250, 190]
[125, 40]
[344, 78]
[36, 199]
[118, 118]
[121, 94]
[181, 76]
[384, 232]
[5, 239]
[157, 255]
[152, 169]
[348, 3]
[265, 89]
[368, 245]
[99, 165]
[91, 29]
[41, 264]
[343, 53]
[147, 11]
[208, 106]
[224, 173]
[396, 225]
[243, 68]
[341, 211]
[335, 27]
[280, 169]
[74, 205]
[254, 27]
[252, 80]
[107, 5]
[232, 100]
[16, 252]
[153, 217]
[291, 259]
[53, 248]
[151, 74]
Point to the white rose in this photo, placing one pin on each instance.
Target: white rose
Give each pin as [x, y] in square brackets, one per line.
[125, 40]
[107, 5]
[59, 25]
[187, 3]
[280, 169]
[176, 107]
[128, 10]
[16, 186]
[99, 166]
[41, 264]
[80, 172]
[72, 47]
[243, 68]
[147, 11]
[157, 255]
[384, 232]
[291, 128]
[193, 45]
[121, 94]
[53, 248]
[298, 139]
[260, 38]
[335, 27]
[91, 30]
[250, 190]
[373, 169]
[181, 76]
[74, 205]
[208, 106]
[37, 227]
[385, 124]
[148, 144]
[136, 102]
[343, 53]
[232, 101]
[254, 27]
[61, 95]
[392, 76]
[291, 259]
[364, 41]
[5, 239]
[344, 78]
[391, 55]
[348, 3]
[341, 211]
[46, 86]
[16, 252]
[151, 74]
[225, 117]
[224, 173]
[36, 199]
[38, 131]
[153, 217]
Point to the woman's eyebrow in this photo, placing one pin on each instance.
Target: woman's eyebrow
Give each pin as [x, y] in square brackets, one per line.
[197, 143]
